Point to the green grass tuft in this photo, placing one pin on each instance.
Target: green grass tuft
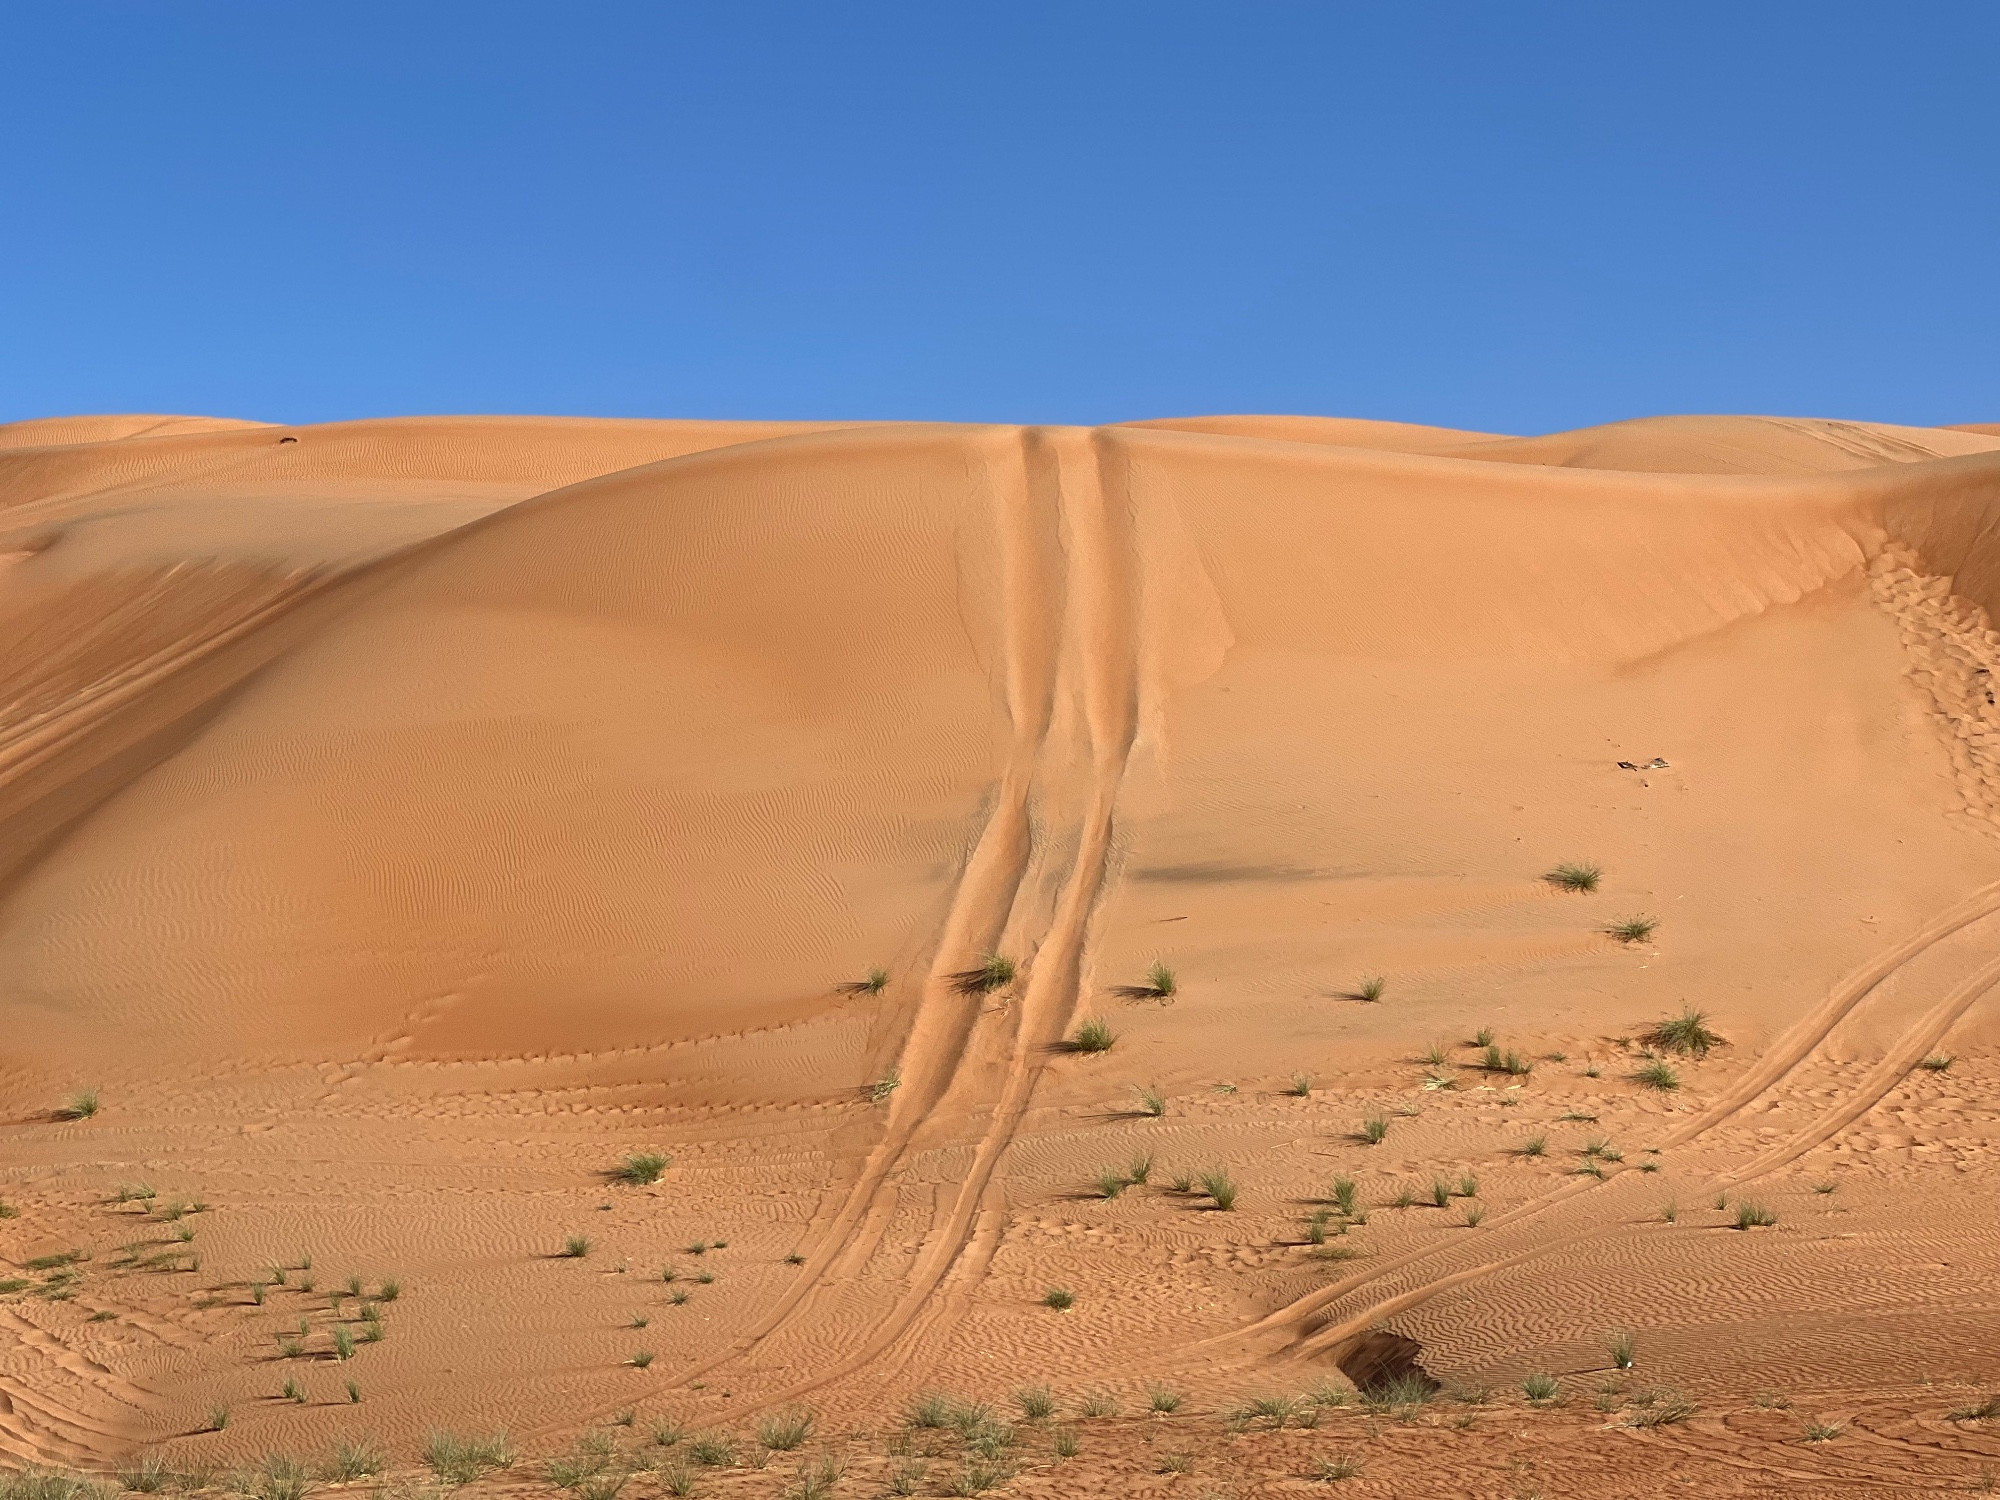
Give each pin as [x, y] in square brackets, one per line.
[1574, 876]
[1062, 1299]
[994, 972]
[576, 1247]
[640, 1168]
[79, 1106]
[1540, 1388]
[1754, 1216]
[1686, 1035]
[1372, 988]
[1633, 929]
[1220, 1187]
[785, 1429]
[1374, 1129]
[1657, 1075]
[1092, 1036]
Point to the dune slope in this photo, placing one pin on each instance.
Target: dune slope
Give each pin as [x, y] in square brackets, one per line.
[402, 822]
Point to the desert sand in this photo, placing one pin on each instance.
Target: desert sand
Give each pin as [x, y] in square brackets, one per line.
[406, 825]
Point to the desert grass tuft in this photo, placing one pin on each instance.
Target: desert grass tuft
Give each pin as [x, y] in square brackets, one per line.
[1139, 1169]
[79, 1106]
[1037, 1402]
[1151, 1100]
[1343, 1196]
[1372, 988]
[1938, 1062]
[1541, 1388]
[1686, 1035]
[994, 972]
[1823, 1432]
[1573, 875]
[1301, 1086]
[1220, 1188]
[1657, 1075]
[1109, 1182]
[1661, 1409]
[1092, 1036]
[785, 1429]
[1621, 1347]
[1374, 1129]
[458, 1459]
[640, 1168]
[1754, 1216]
[1979, 1411]
[1062, 1299]
[1164, 1400]
[884, 1088]
[1633, 929]
[354, 1460]
[1535, 1145]
[576, 1247]
[876, 981]
[1474, 1214]
[1332, 1468]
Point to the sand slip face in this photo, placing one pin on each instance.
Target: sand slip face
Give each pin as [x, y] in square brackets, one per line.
[405, 822]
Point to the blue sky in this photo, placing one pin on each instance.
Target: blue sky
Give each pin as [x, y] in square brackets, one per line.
[1514, 216]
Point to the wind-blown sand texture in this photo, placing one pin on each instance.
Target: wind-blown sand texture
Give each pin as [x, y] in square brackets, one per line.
[404, 822]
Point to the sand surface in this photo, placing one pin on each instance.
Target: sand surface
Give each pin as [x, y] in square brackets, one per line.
[403, 823]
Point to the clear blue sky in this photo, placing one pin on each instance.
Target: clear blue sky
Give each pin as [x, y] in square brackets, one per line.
[1508, 215]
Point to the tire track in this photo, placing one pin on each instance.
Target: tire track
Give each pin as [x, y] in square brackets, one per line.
[1296, 1321]
[1066, 539]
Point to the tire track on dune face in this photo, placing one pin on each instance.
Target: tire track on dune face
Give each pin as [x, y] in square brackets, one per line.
[1297, 1319]
[1103, 641]
[1068, 626]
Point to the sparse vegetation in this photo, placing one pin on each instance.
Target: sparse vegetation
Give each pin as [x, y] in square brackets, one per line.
[1621, 1347]
[1099, 1404]
[995, 971]
[1220, 1187]
[1037, 1402]
[1163, 1400]
[1372, 988]
[1151, 1100]
[785, 1429]
[1823, 1432]
[1092, 1036]
[1139, 1169]
[79, 1106]
[816, 1478]
[884, 1088]
[640, 1359]
[1658, 1075]
[1938, 1062]
[1979, 1411]
[1062, 1299]
[459, 1459]
[1065, 1443]
[1343, 1196]
[1301, 1086]
[1686, 1035]
[1110, 1182]
[1374, 1129]
[1540, 1388]
[1332, 1468]
[1633, 929]
[640, 1168]
[876, 982]
[1535, 1145]
[354, 1460]
[576, 1247]
[1473, 1215]
[1661, 1409]
[1482, 1037]
[1575, 876]
[930, 1411]
[1754, 1216]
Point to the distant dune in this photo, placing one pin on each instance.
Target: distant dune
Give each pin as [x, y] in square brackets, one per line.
[403, 821]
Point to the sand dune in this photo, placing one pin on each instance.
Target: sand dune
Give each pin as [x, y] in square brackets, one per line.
[402, 821]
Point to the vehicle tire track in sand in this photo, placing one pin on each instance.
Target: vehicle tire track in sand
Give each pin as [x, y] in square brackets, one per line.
[1298, 1319]
[1104, 586]
[1060, 544]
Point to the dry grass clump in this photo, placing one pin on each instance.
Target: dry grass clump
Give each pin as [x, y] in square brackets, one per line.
[1657, 1075]
[995, 971]
[1633, 929]
[1334, 1467]
[1092, 1036]
[639, 1169]
[1371, 989]
[876, 982]
[1686, 1035]
[1151, 1100]
[1574, 875]
[459, 1459]
[1938, 1062]
[785, 1429]
[1754, 1216]
[1374, 1129]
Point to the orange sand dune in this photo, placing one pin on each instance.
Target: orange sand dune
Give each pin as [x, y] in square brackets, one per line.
[401, 822]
